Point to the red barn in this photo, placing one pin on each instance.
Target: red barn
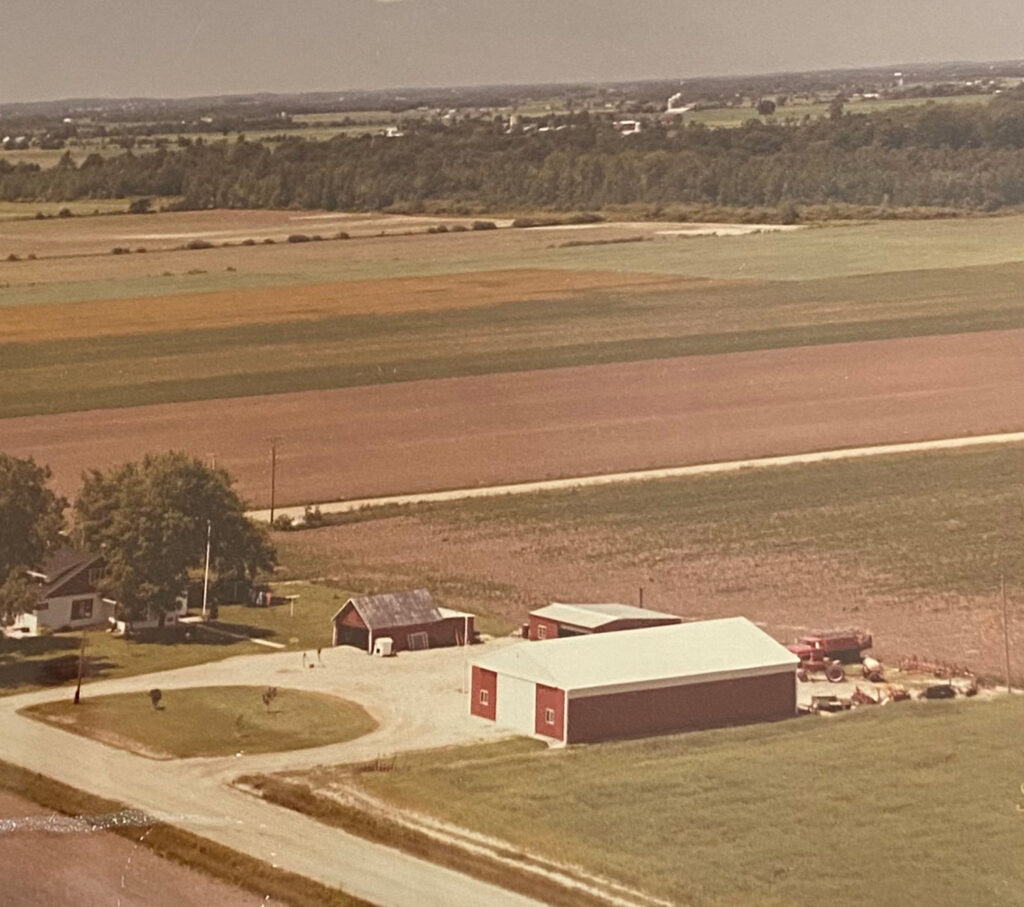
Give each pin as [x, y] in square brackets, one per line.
[559, 620]
[659, 680]
[410, 619]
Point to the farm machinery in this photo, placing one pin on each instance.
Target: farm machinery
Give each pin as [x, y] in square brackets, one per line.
[826, 652]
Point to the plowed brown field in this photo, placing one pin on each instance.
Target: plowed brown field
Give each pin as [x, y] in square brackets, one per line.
[89, 867]
[461, 432]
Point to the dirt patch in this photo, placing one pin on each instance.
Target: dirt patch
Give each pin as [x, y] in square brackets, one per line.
[94, 867]
[494, 429]
[508, 571]
[310, 302]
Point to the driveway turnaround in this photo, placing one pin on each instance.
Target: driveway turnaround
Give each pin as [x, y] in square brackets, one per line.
[418, 698]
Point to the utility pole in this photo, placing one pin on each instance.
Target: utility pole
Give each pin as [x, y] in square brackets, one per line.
[273, 475]
[81, 668]
[206, 569]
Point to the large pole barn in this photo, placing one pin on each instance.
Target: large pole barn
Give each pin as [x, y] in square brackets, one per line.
[660, 680]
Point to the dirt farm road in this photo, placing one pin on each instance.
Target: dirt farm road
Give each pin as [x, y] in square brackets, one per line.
[194, 794]
[507, 428]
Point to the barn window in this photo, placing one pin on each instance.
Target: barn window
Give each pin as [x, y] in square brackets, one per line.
[549, 716]
[542, 631]
[485, 697]
[81, 609]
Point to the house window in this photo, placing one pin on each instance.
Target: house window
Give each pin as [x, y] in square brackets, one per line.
[542, 631]
[485, 697]
[81, 609]
[42, 606]
[549, 716]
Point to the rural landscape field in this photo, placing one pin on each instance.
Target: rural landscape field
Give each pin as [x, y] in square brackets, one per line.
[764, 362]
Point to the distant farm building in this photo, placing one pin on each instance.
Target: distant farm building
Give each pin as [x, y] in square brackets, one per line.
[651, 681]
[558, 620]
[68, 594]
[411, 620]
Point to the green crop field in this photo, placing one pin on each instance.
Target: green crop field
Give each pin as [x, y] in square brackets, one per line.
[917, 804]
[210, 721]
[592, 328]
[733, 117]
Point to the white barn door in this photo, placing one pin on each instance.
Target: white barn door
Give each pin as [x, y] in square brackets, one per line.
[516, 704]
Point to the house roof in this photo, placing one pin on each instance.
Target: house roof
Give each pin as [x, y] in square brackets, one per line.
[650, 657]
[597, 615]
[395, 609]
[60, 566]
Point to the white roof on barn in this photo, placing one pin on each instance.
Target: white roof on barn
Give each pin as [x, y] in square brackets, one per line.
[651, 657]
[597, 615]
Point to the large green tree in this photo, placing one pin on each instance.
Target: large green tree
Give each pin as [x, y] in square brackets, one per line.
[31, 518]
[150, 519]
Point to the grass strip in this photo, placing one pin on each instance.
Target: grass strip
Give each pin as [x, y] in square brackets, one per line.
[178, 845]
[382, 830]
[66, 390]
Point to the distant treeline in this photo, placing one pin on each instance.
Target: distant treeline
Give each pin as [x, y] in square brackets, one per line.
[936, 155]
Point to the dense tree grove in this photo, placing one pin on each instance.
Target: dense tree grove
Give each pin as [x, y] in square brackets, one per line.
[968, 156]
[151, 520]
[31, 518]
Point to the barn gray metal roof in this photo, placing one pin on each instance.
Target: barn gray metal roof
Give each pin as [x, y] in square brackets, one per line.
[597, 615]
[395, 609]
[704, 650]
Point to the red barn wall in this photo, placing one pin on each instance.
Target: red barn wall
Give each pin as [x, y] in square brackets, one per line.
[554, 699]
[550, 628]
[487, 681]
[350, 618]
[679, 708]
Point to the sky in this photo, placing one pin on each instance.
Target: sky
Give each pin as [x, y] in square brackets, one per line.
[51, 49]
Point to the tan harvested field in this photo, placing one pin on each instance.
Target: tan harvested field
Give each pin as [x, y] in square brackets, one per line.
[92, 868]
[97, 235]
[493, 429]
[270, 305]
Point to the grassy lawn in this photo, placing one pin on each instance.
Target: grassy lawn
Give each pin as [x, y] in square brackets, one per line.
[53, 660]
[914, 804]
[211, 721]
[304, 625]
[593, 327]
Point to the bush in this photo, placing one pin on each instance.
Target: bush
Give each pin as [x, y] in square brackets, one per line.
[248, 242]
[341, 234]
[484, 225]
[282, 522]
[457, 228]
[120, 250]
[586, 217]
[298, 237]
[65, 212]
[311, 516]
[13, 257]
[269, 242]
[199, 244]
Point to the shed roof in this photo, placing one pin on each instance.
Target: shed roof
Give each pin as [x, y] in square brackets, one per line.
[650, 657]
[395, 609]
[597, 615]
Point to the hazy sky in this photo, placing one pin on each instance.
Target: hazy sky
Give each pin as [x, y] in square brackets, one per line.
[175, 48]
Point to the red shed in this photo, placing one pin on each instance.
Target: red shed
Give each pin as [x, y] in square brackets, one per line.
[559, 620]
[658, 680]
[411, 620]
